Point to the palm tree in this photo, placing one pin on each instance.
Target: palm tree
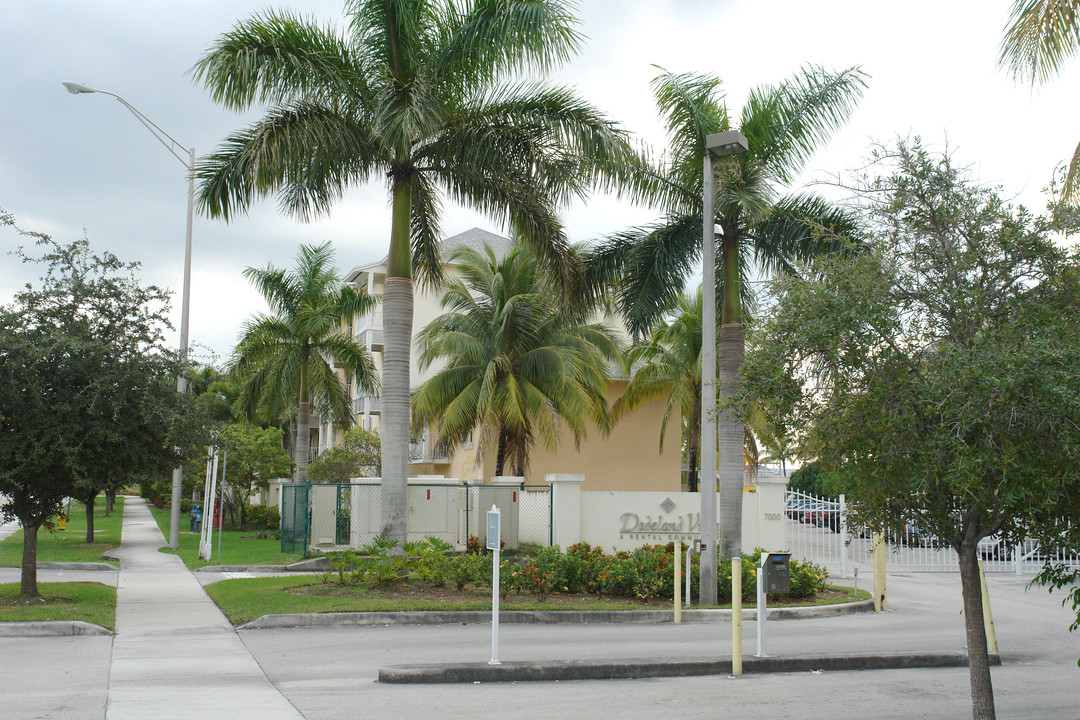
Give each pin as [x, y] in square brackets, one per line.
[1041, 36]
[669, 365]
[421, 93]
[518, 361]
[286, 357]
[758, 227]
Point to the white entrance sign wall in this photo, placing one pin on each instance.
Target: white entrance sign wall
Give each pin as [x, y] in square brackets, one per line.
[626, 520]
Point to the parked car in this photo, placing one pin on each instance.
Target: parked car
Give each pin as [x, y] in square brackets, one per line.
[994, 547]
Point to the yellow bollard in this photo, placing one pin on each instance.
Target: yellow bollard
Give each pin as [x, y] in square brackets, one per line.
[878, 557]
[678, 581]
[988, 617]
[736, 616]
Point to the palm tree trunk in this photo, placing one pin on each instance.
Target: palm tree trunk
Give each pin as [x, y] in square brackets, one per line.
[982, 690]
[303, 428]
[28, 580]
[396, 374]
[730, 433]
[693, 447]
[500, 453]
[730, 347]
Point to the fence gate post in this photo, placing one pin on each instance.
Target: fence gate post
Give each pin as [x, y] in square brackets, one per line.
[843, 537]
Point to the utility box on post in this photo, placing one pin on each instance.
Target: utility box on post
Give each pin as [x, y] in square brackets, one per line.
[777, 573]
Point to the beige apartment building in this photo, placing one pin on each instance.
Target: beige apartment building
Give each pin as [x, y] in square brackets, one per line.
[628, 459]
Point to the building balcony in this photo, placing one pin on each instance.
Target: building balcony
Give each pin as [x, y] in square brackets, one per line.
[366, 405]
[430, 449]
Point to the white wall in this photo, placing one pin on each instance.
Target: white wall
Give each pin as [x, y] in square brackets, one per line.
[625, 520]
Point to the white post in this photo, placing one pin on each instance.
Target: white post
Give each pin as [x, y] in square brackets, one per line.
[689, 550]
[493, 533]
[843, 537]
[678, 585]
[761, 607]
[736, 616]
[207, 550]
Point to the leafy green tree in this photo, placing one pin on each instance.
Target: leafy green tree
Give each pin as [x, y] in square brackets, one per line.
[758, 227]
[358, 455]
[285, 357]
[421, 95]
[254, 457]
[938, 375]
[84, 385]
[669, 366]
[1042, 35]
[519, 362]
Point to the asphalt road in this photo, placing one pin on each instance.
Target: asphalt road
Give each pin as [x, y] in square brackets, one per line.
[330, 673]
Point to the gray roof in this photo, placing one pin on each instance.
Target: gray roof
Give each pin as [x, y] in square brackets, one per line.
[476, 239]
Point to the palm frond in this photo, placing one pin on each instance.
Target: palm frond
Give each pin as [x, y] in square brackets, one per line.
[274, 156]
[785, 125]
[1041, 36]
[278, 57]
[800, 227]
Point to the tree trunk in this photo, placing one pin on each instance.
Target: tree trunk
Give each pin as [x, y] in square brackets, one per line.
[303, 428]
[28, 580]
[730, 433]
[397, 334]
[982, 690]
[90, 519]
[693, 447]
[500, 453]
[397, 369]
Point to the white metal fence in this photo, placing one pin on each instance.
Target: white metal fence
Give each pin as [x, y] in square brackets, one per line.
[818, 529]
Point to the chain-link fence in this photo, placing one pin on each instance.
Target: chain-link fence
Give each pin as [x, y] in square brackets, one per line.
[350, 514]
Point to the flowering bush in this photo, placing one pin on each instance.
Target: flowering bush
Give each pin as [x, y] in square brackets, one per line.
[646, 573]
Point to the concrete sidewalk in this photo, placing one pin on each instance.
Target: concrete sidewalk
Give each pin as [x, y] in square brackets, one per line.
[175, 655]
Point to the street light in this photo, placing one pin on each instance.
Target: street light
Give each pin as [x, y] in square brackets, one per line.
[717, 145]
[172, 145]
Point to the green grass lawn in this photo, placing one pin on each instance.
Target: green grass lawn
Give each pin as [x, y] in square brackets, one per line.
[243, 600]
[238, 547]
[89, 602]
[69, 545]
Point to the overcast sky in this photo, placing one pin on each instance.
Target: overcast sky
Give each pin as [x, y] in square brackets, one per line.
[72, 163]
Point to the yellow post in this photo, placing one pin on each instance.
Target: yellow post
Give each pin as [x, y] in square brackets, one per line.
[988, 617]
[878, 555]
[736, 616]
[678, 581]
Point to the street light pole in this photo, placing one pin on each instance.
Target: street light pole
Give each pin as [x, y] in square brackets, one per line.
[181, 381]
[716, 145]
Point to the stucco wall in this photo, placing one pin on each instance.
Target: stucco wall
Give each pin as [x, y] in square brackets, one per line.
[628, 459]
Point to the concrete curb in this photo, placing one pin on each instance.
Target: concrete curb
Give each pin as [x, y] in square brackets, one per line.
[319, 564]
[53, 628]
[479, 617]
[92, 566]
[629, 669]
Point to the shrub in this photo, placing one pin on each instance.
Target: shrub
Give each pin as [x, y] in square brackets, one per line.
[381, 565]
[432, 560]
[466, 568]
[262, 518]
[342, 562]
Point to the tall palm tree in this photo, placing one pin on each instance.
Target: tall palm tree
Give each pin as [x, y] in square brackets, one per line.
[1041, 36]
[758, 227]
[518, 361]
[420, 94]
[285, 358]
[669, 366]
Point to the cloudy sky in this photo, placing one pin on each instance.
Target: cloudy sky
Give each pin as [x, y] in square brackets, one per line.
[70, 164]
